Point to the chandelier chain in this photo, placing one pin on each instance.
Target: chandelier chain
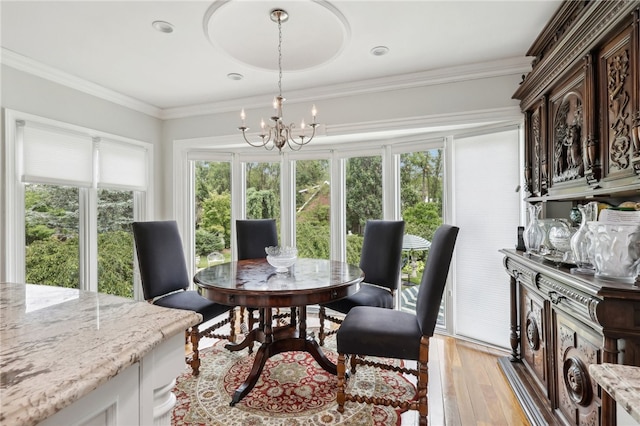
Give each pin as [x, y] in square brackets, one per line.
[279, 56]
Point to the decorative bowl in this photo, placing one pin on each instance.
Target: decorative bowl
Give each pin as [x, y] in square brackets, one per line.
[281, 258]
[616, 250]
[560, 237]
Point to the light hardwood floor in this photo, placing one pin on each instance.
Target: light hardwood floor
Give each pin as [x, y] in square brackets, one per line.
[466, 387]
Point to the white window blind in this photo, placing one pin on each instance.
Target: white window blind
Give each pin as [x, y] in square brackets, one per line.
[56, 156]
[487, 209]
[122, 166]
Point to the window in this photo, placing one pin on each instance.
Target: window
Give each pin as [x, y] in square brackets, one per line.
[51, 219]
[313, 209]
[421, 183]
[363, 200]
[115, 242]
[488, 222]
[75, 193]
[263, 191]
[424, 180]
[213, 212]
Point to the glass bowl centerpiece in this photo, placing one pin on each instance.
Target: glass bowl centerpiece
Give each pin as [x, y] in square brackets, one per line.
[281, 258]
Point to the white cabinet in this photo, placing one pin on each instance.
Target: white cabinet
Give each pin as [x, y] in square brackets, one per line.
[139, 395]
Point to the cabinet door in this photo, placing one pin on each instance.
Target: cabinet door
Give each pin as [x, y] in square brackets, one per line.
[577, 346]
[533, 338]
[622, 156]
[567, 124]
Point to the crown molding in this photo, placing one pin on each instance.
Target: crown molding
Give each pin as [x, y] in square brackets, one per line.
[38, 69]
[396, 82]
[511, 113]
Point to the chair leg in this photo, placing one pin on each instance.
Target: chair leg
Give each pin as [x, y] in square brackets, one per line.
[243, 326]
[195, 358]
[341, 383]
[352, 367]
[321, 334]
[232, 324]
[423, 381]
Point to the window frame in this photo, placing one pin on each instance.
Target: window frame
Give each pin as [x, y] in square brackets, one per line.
[13, 201]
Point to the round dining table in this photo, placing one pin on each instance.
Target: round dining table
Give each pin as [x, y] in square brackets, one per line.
[254, 283]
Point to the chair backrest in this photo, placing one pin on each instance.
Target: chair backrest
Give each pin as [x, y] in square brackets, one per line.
[381, 256]
[434, 277]
[253, 235]
[163, 268]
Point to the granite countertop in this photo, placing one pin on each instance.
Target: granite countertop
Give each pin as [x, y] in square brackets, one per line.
[58, 344]
[622, 382]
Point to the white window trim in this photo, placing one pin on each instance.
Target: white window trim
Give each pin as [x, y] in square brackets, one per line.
[13, 238]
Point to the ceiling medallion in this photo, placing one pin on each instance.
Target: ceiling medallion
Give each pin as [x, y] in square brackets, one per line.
[279, 134]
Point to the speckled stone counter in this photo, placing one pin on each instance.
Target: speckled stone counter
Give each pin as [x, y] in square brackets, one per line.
[57, 345]
[622, 382]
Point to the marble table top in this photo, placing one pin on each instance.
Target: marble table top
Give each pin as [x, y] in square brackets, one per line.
[622, 382]
[59, 344]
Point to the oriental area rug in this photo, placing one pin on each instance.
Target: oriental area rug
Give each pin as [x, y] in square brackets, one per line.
[293, 390]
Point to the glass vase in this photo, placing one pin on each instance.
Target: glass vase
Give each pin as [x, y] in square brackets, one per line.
[534, 233]
[581, 240]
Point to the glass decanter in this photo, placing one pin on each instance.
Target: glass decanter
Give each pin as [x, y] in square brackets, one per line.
[534, 233]
[581, 240]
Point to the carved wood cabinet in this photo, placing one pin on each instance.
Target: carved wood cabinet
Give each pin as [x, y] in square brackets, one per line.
[581, 106]
[560, 324]
[582, 103]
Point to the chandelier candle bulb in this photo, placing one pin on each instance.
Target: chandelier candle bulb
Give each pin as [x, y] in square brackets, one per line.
[242, 116]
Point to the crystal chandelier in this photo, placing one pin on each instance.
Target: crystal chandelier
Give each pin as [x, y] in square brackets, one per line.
[279, 134]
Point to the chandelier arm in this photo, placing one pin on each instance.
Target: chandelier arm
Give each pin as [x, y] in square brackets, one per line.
[304, 139]
[261, 144]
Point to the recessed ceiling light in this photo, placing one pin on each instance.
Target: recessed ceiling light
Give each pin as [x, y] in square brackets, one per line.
[235, 76]
[379, 50]
[162, 26]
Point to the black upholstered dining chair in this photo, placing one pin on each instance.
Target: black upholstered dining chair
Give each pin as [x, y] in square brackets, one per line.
[380, 260]
[388, 333]
[252, 236]
[165, 282]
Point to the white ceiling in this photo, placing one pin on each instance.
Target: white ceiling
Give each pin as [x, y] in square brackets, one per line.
[112, 43]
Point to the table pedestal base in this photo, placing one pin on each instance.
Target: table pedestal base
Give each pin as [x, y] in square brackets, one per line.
[288, 338]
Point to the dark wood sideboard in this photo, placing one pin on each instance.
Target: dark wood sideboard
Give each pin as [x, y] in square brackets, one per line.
[581, 106]
[560, 324]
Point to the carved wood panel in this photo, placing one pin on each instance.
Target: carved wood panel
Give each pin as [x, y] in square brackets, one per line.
[566, 129]
[536, 151]
[578, 400]
[635, 70]
[622, 151]
[533, 335]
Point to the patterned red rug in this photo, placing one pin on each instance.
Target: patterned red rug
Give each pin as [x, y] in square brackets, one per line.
[292, 390]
